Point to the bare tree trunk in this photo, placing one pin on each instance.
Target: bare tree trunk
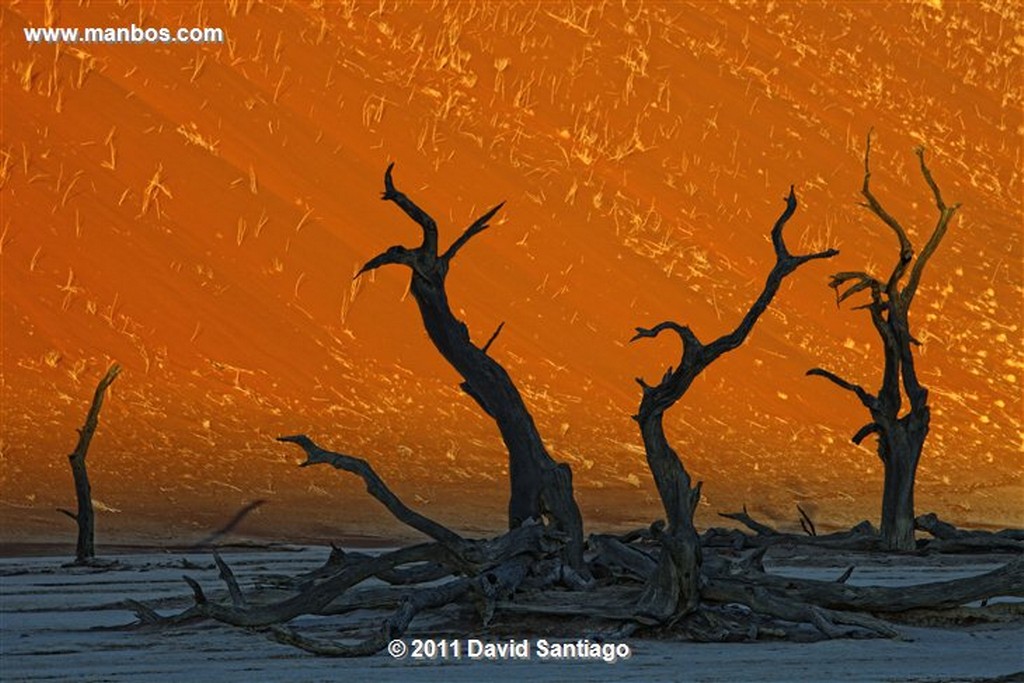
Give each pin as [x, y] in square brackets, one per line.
[85, 548]
[900, 467]
[540, 487]
[674, 589]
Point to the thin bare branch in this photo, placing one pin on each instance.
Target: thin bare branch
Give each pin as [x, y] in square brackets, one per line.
[376, 487]
[493, 337]
[746, 520]
[939, 203]
[478, 226]
[906, 248]
[685, 333]
[942, 225]
[806, 523]
[413, 211]
[867, 399]
[394, 255]
[862, 281]
[228, 577]
[673, 384]
[865, 431]
[781, 252]
[197, 591]
[145, 614]
[231, 524]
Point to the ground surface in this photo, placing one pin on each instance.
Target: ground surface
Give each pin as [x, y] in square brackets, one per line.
[48, 617]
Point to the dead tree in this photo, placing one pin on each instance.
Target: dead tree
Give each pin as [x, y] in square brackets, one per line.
[674, 589]
[901, 435]
[85, 549]
[540, 487]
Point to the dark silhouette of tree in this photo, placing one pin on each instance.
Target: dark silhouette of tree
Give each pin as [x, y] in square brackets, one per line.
[901, 435]
[674, 589]
[85, 548]
[540, 487]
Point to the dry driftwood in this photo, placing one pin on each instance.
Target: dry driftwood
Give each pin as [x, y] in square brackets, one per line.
[494, 570]
[863, 536]
[1007, 581]
[950, 539]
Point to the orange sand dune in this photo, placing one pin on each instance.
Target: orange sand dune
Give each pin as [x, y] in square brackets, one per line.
[196, 213]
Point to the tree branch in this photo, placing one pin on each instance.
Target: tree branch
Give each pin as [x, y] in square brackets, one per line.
[749, 522]
[945, 215]
[230, 526]
[393, 627]
[376, 487]
[228, 577]
[684, 332]
[939, 204]
[906, 248]
[393, 255]
[806, 523]
[785, 263]
[93, 416]
[781, 252]
[1007, 580]
[865, 431]
[493, 337]
[673, 384]
[478, 226]
[863, 281]
[867, 399]
[413, 211]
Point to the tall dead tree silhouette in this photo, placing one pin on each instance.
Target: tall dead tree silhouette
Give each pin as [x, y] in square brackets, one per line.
[674, 588]
[85, 517]
[540, 487]
[901, 435]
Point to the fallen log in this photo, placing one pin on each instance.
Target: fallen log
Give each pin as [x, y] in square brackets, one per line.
[1005, 581]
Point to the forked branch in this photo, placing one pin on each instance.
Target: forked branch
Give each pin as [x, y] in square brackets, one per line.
[906, 248]
[413, 211]
[785, 263]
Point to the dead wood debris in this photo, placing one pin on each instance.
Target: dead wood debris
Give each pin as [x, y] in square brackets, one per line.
[522, 575]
